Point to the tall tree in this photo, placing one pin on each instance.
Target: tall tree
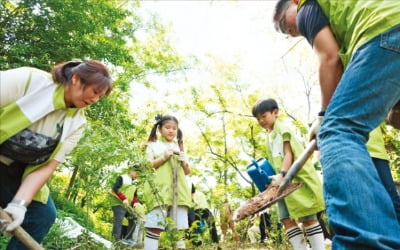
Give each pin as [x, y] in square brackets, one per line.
[41, 33]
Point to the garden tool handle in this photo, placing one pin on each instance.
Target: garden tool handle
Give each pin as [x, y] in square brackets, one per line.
[21, 234]
[297, 165]
[128, 207]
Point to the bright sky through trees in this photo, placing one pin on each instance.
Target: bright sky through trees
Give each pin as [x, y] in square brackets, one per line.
[237, 32]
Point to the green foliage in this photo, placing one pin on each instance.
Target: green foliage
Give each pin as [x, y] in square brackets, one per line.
[55, 239]
[45, 32]
[170, 236]
[66, 208]
[3, 241]
[392, 141]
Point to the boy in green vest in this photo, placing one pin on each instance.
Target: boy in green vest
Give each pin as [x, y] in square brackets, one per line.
[283, 148]
[124, 189]
[357, 43]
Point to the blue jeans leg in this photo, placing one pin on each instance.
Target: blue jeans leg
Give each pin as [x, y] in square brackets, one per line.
[38, 220]
[359, 209]
[119, 214]
[383, 168]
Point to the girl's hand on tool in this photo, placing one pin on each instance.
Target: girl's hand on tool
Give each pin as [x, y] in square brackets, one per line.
[182, 157]
[125, 202]
[276, 179]
[17, 213]
[167, 154]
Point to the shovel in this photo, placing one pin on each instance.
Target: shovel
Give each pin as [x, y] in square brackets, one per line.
[297, 165]
[274, 194]
[21, 234]
[175, 179]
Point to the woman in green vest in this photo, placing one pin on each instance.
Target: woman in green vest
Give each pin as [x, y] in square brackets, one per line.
[358, 46]
[41, 121]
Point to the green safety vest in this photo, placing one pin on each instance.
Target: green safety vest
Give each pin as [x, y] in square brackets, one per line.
[308, 199]
[128, 189]
[162, 178]
[356, 22]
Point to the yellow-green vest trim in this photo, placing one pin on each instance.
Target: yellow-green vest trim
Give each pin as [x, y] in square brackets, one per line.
[356, 22]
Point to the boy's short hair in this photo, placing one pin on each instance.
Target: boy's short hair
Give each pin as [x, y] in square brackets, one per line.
[265, 105]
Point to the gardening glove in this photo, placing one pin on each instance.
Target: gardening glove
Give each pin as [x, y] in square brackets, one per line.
[17, 214]
[182, 157]
[168, 153]
[276, 179]
[125, 202]
[315, 127]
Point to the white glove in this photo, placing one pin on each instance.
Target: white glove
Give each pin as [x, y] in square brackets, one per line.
[276, 179]
[182, 157]
[168, 153]
[316, 125]
[17, 214]
[125, 202]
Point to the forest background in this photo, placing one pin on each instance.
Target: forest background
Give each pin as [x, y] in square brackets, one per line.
[232, 56]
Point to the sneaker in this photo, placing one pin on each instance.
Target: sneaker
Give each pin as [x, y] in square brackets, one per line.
[129, 242]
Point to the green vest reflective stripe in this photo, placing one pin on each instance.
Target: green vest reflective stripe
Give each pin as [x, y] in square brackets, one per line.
[356, 22]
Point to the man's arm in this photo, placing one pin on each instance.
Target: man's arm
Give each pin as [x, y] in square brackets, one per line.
[330, 65]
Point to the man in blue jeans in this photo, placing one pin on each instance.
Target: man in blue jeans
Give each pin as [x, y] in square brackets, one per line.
[358, 46]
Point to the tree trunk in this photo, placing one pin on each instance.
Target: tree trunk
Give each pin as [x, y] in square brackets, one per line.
[71, 182]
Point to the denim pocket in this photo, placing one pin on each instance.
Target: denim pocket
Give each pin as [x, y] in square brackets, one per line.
[390, 39]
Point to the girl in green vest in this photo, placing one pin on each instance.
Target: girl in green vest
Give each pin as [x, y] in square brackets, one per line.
[41, 121]
[162, 153]
[303, 205]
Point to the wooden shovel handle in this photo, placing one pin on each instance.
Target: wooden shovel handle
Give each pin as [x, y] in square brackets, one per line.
[21, 234]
